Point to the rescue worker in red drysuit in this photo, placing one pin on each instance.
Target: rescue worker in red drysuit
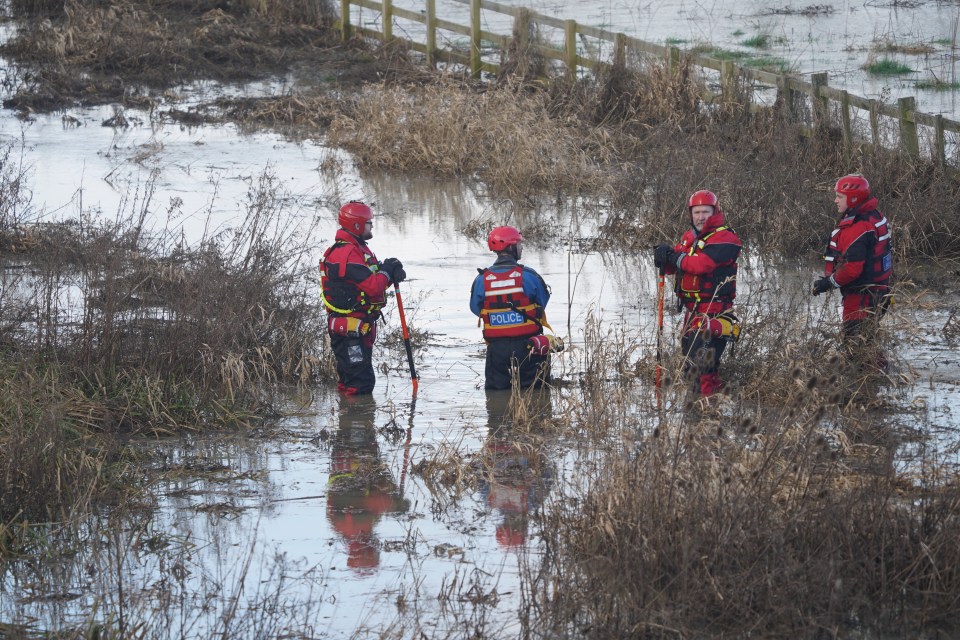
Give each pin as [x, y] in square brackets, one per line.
[705, 264]
[361, 489]
[353, 285]
[510, 300]
[859, 262]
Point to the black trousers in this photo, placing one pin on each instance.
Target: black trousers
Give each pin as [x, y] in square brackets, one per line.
[506, 354]
[702, 352]
[354, 362]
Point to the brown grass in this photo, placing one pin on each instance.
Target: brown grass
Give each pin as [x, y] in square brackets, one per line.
[98, 50]
[776, 512]
[164, 338]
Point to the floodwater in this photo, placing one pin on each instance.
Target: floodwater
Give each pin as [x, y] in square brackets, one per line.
[325, 529]
[839, 38]
[327, 524]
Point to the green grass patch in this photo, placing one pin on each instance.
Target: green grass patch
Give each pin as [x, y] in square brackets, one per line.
[887, 67]
[672, 42]
[759, 41]
[737, 33]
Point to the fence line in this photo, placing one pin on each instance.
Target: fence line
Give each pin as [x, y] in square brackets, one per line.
[827, 105]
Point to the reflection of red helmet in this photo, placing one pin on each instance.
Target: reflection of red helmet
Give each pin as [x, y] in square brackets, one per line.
[502, 237]
[855, 187]
[508, 536]
[354, 215]
[708, 198]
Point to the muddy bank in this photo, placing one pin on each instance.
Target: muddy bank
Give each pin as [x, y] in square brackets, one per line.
[137, 54]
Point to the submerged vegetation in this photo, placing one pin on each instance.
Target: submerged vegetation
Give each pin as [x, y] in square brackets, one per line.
[778, 511]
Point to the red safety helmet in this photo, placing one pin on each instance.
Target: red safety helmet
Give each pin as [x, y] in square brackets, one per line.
[354, 215]
[502, 237]
[708, 198]
[855, 187]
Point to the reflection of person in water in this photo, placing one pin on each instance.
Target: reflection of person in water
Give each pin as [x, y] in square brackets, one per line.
[361, 489]
[517, 475]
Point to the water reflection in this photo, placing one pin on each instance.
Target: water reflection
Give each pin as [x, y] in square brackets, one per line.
[361, 487]
[518, 473]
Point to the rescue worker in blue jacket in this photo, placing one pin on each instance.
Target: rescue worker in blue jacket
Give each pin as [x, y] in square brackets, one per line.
[511, 300]
[353, 284]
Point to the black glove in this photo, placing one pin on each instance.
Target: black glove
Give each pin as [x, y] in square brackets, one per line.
[662, 255]
[393, 268]
[821, 285]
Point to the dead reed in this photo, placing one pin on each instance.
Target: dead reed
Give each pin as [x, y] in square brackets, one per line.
[777, 511]
[113, 329]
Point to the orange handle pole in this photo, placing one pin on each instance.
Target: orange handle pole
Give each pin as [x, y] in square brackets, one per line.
[406, 338]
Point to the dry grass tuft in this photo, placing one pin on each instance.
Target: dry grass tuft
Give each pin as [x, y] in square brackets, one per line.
[777, 509]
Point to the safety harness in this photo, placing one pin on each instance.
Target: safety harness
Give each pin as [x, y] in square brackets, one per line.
[720, 285]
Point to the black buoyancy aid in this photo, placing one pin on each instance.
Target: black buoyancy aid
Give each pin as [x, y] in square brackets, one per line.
[507, 311]
[878, 266]
[341, 295]
[719, 285]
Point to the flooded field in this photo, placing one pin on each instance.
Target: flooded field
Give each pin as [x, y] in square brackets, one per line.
[433, 514]
[841, 38]
[328, 526]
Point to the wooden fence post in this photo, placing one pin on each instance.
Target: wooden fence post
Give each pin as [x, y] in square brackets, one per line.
[344, 20]
[432, 33]
[728, 81]
[819, 103]
[939, 141]
[673, 59]
[845, 121]
[785, 89]
[475, 38]
[570, 45]
[908, 127]
[620, 50]
[387, 21]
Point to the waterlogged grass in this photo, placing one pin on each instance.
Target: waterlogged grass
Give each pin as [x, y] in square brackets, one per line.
[171, 339]
[675, 41]
[887, 67]
[760, 41]
[916, 48]
[937, 85]
[773, 64]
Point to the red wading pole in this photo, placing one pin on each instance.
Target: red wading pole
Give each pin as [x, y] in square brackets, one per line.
[659, 331]
[406, 338]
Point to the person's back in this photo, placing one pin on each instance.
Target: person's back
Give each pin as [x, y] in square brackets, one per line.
[511, 300]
